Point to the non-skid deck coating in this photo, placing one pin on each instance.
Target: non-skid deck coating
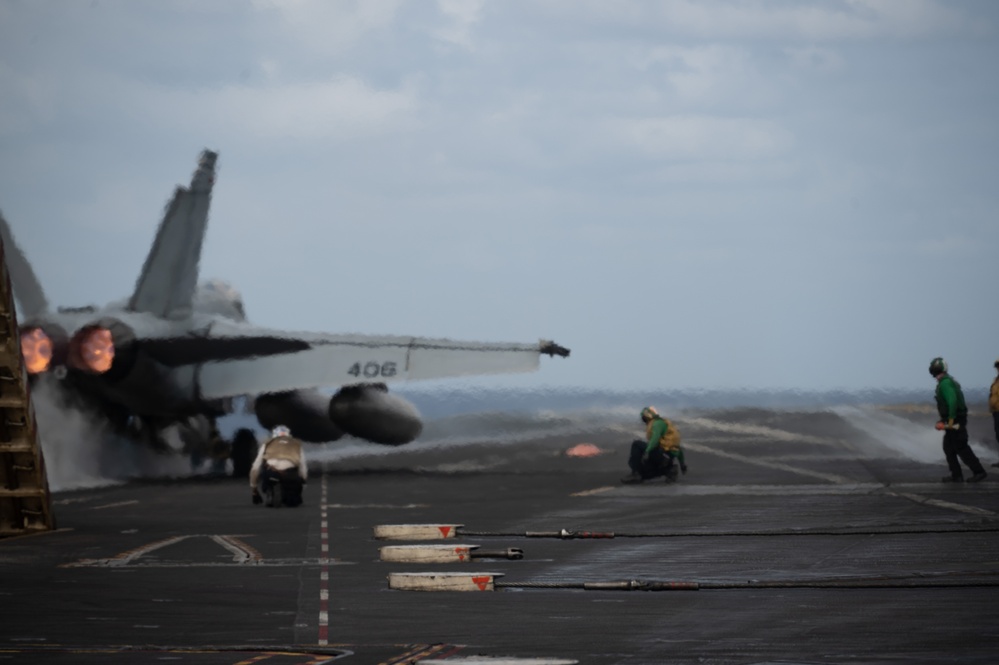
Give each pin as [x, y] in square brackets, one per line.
[824, 552]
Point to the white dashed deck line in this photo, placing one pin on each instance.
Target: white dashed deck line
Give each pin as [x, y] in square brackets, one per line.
[324, 573]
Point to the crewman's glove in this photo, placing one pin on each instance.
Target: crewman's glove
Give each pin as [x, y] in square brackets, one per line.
[257, 499]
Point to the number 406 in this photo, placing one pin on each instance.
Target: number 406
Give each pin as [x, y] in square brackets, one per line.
[372, 369]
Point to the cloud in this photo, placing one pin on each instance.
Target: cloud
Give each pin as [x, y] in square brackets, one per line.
[813, 58]
[336, 109]
[463, 14]
[761, 19]
[707, 74]
[331, 26]
[340, 108]
[700, 138]
[951, 246]
[720, 172]
[27, 100]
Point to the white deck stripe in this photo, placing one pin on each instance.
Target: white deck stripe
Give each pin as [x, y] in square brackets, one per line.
[942, 504]
[758, 461]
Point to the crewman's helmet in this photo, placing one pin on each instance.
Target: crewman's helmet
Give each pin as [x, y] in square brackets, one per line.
[280, 430]
[938, 366]
[648, 413]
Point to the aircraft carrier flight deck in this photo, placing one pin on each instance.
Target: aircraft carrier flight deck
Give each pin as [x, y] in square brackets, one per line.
[786, 542]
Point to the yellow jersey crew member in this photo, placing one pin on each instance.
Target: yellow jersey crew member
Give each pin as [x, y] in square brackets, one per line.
[659, 453]
[954, 424]
[279, 471]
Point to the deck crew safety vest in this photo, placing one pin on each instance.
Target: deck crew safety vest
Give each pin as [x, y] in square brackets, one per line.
[670, 441]
[284, 448]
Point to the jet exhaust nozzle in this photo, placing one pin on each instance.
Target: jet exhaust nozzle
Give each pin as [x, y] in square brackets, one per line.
[105, 347]
[43, 347]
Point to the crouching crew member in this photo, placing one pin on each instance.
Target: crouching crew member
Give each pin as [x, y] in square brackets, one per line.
[658, 453]
[954, 424]
[279, 471]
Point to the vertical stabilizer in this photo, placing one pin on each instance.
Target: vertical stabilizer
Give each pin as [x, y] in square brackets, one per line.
[27, 288]
[170, 275]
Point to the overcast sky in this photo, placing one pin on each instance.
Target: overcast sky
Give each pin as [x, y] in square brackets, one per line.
[710, 194]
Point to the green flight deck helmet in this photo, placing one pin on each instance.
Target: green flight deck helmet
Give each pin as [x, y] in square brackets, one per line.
[938, 366]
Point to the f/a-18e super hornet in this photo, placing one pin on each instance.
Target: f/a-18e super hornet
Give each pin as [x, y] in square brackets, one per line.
[176, 352]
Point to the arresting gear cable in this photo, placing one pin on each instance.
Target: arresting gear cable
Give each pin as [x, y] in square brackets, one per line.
[565, 534]
[911, 582]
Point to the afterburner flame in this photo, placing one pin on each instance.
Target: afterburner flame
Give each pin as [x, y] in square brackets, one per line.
[96, 349]
[36, 349]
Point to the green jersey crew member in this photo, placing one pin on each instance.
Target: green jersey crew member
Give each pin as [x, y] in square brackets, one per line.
[655, 456]
[994, 404]
[954, 424]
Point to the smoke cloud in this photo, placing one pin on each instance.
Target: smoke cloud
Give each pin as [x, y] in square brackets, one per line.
[81, 451]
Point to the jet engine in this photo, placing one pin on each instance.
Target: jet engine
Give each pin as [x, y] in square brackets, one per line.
[105, 347]
[304, 412]
[369, 412]
[365, 411]
[43, 346]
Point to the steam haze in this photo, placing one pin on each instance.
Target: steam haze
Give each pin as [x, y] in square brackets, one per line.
[81, 451]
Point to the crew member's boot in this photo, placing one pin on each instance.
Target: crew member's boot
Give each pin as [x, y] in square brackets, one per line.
[632, 479]
[671, 473]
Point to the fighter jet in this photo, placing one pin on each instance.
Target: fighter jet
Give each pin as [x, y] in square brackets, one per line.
[176, 352]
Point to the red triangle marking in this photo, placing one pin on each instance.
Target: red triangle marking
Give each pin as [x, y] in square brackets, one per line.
[445, 530]
[461, 552]
[481, 582]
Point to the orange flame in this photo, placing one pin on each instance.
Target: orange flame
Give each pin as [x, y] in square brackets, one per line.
[36, 349]
[97, 350]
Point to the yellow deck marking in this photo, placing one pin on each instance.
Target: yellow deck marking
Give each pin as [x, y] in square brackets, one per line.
[242, 553]
[116, 505]
[597, 490]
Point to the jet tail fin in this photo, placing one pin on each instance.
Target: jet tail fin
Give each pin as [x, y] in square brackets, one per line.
[27, 288]
[170, 274]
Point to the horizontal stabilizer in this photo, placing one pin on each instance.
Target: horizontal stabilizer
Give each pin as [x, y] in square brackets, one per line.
[170, 274]
[194, 350]
[27, 288]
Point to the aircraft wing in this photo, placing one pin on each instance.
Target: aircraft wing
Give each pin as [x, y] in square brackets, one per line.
[335, 360]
